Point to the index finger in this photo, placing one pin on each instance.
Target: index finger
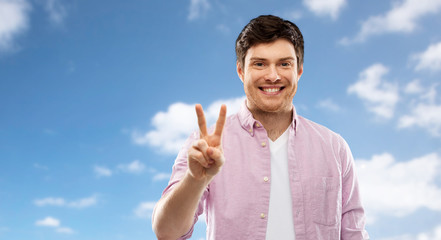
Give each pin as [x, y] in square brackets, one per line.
[201, 120]
[221, 120]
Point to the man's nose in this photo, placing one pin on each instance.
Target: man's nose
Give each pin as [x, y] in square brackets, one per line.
[272, 74]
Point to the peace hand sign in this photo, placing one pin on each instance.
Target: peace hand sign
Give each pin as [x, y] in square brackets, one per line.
[205, 157]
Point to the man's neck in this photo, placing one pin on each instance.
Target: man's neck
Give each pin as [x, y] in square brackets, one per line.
[275, 123]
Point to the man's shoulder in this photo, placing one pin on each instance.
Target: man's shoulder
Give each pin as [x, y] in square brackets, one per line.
[232, 123]
[313, 128]
[316, 133]
[232, 120]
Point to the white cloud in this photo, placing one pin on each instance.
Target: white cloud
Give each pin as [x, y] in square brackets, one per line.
[39, 166]
[223, 28]
[13, 21]
[145, 210]
[61, 202]
[424, 115]
[414, 87]
[65, 230]
[84, 202]
[161, 176]
[133, 167]
[430, 94]
[429, 59]
[402, 18]
[379, 96]
[48, 222]
[50, 201]
[434, 234]
[329, 104]
[173, 127]
[294, 15]
[329, 8]
[198, 8]
[425, 112]
[404, 187]
[56, 10]
[55, 223]
[102, 171]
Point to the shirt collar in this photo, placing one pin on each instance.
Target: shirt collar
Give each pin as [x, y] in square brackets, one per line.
[248, 122]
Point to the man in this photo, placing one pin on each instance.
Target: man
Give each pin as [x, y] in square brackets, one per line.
[265, 172]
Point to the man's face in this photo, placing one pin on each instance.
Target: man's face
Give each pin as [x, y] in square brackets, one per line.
[270, 76]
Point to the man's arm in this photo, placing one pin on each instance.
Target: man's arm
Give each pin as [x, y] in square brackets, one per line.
[353, 218]
[174, 213]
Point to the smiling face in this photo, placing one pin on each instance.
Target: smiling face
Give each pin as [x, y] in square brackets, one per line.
[270, 76]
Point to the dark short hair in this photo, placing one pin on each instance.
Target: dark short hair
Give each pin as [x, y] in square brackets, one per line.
[266, 29]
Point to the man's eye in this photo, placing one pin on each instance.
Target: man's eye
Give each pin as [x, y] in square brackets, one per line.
[258, 64]
[286, 64]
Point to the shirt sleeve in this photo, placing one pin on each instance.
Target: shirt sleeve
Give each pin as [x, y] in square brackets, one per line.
[353, 218]
[178, 172]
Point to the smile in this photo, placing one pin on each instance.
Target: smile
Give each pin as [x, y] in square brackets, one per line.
[271, 89]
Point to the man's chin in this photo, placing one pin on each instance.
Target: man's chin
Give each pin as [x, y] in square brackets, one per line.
[268, 107]
[272, 108]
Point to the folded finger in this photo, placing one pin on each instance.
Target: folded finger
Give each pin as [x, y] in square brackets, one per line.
[216, 154]
[202, 146]
[194, 155]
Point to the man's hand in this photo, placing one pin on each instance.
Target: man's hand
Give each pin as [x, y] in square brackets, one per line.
[174, 213]
[205, 157]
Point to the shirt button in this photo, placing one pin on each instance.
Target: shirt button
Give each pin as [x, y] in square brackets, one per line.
[265, 179]
[262, 215]
[250, 130]
[263, 144]
[257, 125]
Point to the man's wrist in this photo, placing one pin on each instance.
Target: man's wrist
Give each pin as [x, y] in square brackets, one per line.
[202, 182]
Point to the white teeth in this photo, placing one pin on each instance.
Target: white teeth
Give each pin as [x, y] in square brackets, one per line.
[271, 89]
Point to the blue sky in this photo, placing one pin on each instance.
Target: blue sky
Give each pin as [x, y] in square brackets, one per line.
[97, 97]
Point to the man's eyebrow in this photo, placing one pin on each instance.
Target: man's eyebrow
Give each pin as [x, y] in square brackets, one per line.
[257, 59]
[287, 58]
[264, 59]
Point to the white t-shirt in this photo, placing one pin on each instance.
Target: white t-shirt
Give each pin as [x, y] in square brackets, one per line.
[280, 219]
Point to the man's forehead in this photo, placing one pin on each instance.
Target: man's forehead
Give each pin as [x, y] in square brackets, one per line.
[281, 47]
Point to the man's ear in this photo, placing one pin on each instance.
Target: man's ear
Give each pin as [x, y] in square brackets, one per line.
[299, 72]
[239, 70]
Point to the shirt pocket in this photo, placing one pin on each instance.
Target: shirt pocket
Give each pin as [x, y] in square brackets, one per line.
[326, 200]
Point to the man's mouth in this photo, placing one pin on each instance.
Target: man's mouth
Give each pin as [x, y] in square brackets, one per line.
[271, 89]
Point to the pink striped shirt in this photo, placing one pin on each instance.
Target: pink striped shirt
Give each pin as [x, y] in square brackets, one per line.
[325, 195]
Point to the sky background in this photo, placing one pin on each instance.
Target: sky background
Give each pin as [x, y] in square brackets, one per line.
[96, 98]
